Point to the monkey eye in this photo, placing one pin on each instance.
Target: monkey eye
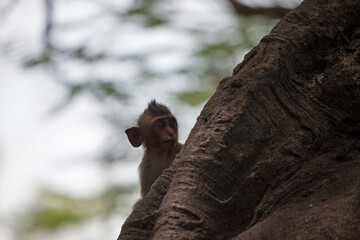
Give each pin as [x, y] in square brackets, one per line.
[173, 124]
[161, 123]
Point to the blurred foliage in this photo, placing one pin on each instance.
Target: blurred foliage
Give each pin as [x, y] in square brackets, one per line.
[43, 59]
[55, 209]
[101, 90]
[145, 11]
[218, 49]
[194, 98]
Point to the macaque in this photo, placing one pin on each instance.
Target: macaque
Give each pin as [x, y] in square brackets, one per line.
[157, 131]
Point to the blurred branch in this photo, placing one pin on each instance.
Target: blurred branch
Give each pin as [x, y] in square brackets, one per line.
[272, 12]
[49, 9]
[100, 89]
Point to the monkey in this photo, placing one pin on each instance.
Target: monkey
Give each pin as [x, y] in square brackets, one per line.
[157, 131]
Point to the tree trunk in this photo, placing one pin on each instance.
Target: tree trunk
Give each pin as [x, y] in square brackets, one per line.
[275, 153]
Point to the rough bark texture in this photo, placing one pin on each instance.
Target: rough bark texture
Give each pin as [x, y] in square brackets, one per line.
[275, 153]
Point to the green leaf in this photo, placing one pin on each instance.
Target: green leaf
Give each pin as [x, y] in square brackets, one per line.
[55, 209]
[194, 98]
[37, 61]
[210, 49]
[153, 21]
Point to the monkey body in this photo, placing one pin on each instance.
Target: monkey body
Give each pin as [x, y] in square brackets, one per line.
[152, 165]
[157, 131]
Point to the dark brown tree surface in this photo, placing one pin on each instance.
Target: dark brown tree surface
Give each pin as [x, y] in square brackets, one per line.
[275, 153]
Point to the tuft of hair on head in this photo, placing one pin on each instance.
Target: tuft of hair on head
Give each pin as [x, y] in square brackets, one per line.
[156, 109]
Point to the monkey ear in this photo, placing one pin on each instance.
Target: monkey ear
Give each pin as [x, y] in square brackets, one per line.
[134, 136]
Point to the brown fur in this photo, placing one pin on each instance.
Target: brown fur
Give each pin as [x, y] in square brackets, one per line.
[157, 131]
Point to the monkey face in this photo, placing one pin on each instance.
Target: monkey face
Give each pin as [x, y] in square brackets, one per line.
[164, 132]
[156, 129]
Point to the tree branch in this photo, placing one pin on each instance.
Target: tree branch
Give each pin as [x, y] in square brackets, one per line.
[49, 10]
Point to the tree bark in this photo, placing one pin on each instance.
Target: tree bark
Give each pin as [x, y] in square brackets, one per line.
[275, 153]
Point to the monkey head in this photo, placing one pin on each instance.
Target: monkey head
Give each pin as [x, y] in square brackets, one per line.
[157, 128]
